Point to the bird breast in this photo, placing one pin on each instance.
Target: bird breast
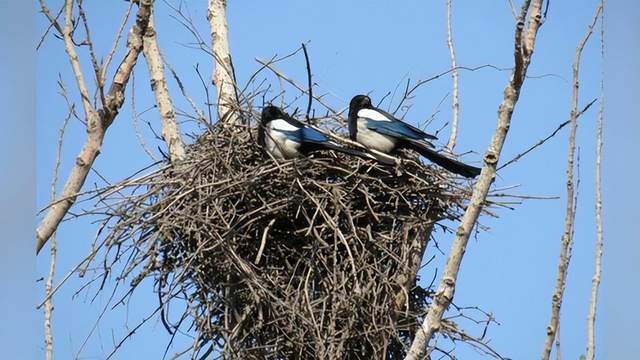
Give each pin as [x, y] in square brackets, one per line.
[374, 140]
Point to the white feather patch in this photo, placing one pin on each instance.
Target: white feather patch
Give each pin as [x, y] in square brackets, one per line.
[279, 124]
[372, 114]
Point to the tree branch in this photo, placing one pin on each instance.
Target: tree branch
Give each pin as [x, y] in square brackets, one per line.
[70, 48]
[170, 130]
[97, 122]
[595, 281]
[542, 141]
[48, 305]
[455, 102]
[223, 77]
[446, 288]
[309, 81]
[566, 241]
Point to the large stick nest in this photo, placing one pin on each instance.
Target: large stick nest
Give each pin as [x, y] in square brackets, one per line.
[308, 258]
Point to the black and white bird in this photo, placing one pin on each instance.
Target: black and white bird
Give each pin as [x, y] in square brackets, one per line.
[285, 137]
[379, 130]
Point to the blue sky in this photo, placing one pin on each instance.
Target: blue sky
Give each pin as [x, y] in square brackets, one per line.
[358, 47]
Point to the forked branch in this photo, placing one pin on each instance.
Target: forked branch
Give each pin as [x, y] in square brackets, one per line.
[97, 121]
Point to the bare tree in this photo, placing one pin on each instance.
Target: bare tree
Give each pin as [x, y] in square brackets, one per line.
[523, 50]
[566, 241]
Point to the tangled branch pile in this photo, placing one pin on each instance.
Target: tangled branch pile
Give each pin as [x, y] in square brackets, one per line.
[309, 258]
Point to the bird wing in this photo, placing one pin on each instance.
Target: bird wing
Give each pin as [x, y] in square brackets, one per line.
[296, 130]
[385, 123]
[312, 135]
[301, 134]
[423, 134]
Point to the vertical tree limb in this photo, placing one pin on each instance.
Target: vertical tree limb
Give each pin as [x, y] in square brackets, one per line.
[595, 281]
[566, 241]
[170, 130]
[97, 122]
[455, 102]
[48, 304]
[223, 77]
[523, 51]
[70, 48]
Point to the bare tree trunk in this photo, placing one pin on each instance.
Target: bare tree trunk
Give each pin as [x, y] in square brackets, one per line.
[223, 77]
[566, 241]
[455, 105]
[170, 130]
[97, 121]
[595, 281]
[444, 295]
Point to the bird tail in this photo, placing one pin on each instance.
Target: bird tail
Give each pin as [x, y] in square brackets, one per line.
[448, 163]
[358, 153]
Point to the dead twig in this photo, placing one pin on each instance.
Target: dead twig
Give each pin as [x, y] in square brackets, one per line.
[309, 82]
[542, 141]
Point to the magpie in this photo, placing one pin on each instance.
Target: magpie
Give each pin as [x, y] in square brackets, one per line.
[285, 137]
[379, 130]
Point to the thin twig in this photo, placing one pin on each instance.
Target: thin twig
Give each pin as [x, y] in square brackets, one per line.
[116, 41]
[136, 121]
[542, 141]
[309, 82]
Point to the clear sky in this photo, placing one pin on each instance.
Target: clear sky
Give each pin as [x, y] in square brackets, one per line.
[371, 46]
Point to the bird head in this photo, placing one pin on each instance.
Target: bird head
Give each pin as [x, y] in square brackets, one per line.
[360, 102]
[271, 112]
